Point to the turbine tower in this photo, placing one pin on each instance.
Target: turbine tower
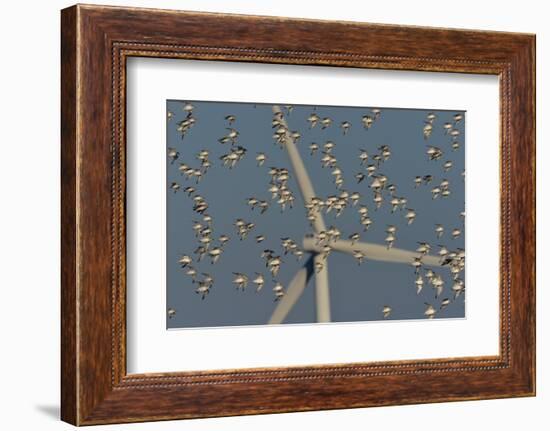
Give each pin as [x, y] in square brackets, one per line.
[371, 251]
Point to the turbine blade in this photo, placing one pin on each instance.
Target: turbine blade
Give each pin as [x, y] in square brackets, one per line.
[373, 251]
[293, 292]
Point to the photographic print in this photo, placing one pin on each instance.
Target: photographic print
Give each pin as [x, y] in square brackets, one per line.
[282, 213]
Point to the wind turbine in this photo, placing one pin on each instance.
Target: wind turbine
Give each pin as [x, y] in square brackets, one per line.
[371, 251]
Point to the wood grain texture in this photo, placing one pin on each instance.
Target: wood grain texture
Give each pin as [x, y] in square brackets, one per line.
[96, 41]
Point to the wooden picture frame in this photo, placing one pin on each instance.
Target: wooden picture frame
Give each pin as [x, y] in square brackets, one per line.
[95, 43]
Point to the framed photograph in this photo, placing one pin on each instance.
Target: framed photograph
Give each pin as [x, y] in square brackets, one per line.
[266, 215]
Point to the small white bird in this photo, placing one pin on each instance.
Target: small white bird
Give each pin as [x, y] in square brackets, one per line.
[430, 311]
[187, 107]
[185, 260]
[259, 281]
[456, 233]
[175, 187]
[313, 147]
[191, 272]
[363, 156]
[438, 284]
[279, 291]
[261, 158]
[359, 255]
[386, 311]
[215, 254]
[354, 197]
[171, 312]
[419, 282]
[367, 121]
[457, 287]
[423, 248]
[345, 125]
[354, 237]
[318, 266]
[313, 119]
[427, 130]
[241, 280]
[326, 122]
[366, 223]
[390, 239]
[173, 154]
[203, 289]
[410, 216]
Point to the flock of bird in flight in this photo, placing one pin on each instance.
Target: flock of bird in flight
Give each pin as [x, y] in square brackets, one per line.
[211, 246]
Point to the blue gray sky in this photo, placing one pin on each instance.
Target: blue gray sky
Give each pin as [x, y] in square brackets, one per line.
[357, 292]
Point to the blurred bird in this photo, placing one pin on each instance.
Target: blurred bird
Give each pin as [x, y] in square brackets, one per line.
[173, 154]
[345, 125]
[354, 237]
[187, 107]
[241, 280]
[318, 266]
[359, 256]
[313, 147]
[410, 216]
[215, 254]
[427, 130]
[261, 158]
[279, 291]
[457, 287]
[313, 119]
[434, 153]
[326, 122]
[259, 281]
[354, 197]
[430, 311]
[185, 260]
[191, 272]
[419, 282]
[390, 239]
[367, 121]
[438, 284]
